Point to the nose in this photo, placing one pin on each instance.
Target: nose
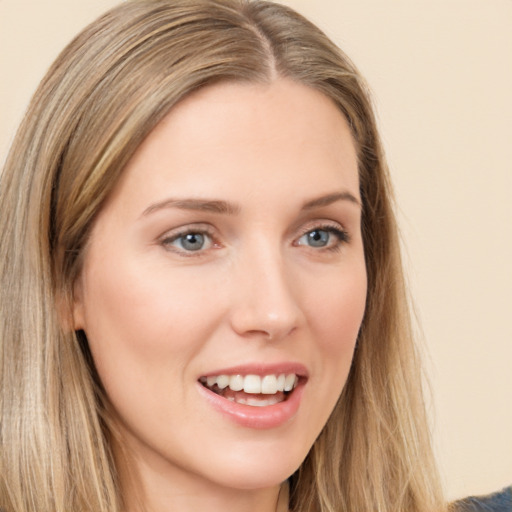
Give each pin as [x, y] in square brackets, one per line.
[265, 301]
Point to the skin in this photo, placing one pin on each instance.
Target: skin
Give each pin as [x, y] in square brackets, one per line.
[158, 316]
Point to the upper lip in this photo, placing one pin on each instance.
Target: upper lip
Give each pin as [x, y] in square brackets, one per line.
[261, 369]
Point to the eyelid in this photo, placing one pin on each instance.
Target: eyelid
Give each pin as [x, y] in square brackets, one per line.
[337, 229]
[322, 224]
[174, 234]
[318, 223]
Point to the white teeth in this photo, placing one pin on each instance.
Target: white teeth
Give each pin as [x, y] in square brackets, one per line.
[269, 385]
[236, 383]
[254, 384]
[223, 381]
[280, 382]
[289, 382]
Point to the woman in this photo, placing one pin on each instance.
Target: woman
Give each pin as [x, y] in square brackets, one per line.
[203, 302]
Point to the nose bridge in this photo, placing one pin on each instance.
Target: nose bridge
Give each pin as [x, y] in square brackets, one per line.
[265, 302]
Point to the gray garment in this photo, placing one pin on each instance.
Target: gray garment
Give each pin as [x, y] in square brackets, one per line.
[498, 502]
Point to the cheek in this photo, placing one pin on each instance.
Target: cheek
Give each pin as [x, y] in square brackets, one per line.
[138, 304]
[339, 313]
[335, 314]
[136, 322]
[143, 331]
[336, 321]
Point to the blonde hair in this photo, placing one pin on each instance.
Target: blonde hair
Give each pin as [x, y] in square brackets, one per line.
[104, 94]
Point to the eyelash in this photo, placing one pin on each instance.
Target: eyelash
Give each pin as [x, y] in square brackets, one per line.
[342, 237]
[200, 230]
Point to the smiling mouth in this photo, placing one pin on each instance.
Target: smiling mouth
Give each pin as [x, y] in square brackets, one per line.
[254, 390]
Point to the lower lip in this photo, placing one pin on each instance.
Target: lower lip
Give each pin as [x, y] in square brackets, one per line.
[270, 416]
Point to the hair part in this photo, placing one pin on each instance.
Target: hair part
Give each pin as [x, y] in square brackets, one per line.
[101, 98]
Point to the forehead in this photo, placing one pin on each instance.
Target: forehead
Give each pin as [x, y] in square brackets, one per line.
[288, 111]
[281, 134]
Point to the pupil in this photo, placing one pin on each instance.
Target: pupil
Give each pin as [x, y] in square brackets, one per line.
[318, 238]
[193, 241]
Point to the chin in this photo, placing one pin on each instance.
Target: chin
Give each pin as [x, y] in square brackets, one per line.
[243, 479]
[264, 470]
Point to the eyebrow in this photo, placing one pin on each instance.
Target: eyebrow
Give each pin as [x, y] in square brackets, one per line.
[328, 199]
[202, 205]
[227, 208]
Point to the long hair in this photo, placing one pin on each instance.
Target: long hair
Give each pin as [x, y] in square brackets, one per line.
[104, 94]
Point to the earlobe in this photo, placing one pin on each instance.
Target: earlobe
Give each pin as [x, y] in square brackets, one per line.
[77, 312]
[78, 317]
[69, 311]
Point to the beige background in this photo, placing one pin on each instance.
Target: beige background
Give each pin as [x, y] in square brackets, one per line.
[441, 72]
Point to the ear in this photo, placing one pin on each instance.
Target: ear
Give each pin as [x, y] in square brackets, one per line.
[69, 310]
[77, 306]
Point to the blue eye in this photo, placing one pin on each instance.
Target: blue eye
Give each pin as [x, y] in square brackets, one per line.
[192, 241]
[325, 237]
[317, 238]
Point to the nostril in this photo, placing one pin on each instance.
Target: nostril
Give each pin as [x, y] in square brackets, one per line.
[270, 334]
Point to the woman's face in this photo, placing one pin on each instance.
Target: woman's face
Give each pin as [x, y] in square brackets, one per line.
[225, 269]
